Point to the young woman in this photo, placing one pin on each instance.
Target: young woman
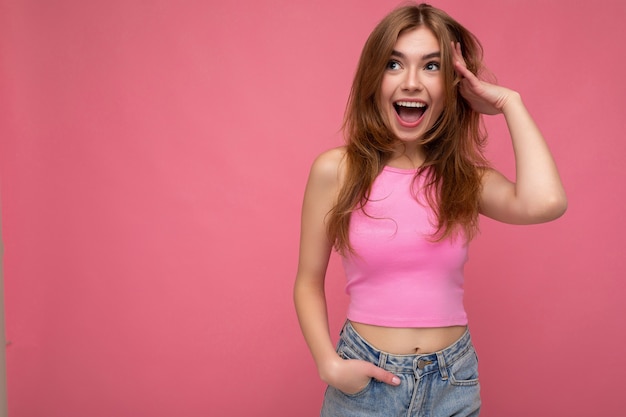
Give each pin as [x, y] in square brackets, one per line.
[400, 203]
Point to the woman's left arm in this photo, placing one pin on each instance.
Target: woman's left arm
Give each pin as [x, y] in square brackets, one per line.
[537, 195]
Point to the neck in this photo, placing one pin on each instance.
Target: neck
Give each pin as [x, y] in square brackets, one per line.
[407, 157]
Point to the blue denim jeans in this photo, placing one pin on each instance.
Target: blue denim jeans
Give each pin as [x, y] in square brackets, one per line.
[441, 384]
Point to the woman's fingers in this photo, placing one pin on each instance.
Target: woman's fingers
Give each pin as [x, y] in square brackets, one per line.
[383, 376]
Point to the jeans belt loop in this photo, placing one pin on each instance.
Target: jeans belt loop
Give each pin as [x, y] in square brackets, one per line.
[443, 369]
[382, 360]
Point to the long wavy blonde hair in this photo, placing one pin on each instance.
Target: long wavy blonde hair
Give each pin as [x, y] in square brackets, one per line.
[454, 145]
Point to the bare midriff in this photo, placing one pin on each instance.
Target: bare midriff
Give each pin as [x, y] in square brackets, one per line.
[409, 341]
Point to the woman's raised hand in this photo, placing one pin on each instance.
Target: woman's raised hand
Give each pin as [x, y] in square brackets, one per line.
[484, 97]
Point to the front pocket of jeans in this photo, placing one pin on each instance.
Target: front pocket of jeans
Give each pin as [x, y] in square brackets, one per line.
[347, 354]
[464, 372]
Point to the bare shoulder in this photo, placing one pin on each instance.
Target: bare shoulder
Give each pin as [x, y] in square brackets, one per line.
[329, 167]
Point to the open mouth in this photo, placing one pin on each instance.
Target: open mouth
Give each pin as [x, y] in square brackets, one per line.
[410, 112]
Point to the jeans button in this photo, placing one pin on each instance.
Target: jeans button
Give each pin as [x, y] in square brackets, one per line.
[421, 363]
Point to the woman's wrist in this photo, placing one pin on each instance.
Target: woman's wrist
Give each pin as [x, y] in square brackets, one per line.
[513, 102]
[327, 368]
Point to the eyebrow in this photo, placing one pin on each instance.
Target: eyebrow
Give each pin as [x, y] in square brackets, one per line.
[424, 57]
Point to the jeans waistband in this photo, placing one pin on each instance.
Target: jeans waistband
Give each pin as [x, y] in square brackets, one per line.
[418, 364]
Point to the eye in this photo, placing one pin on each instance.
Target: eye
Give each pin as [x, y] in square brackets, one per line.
[432, 66]
[393, 65]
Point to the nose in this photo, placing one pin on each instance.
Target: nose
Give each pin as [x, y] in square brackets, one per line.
[412, 81]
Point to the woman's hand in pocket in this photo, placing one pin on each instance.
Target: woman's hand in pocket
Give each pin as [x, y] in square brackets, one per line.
[352, 376]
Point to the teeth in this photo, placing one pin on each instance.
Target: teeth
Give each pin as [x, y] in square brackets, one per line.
[410, 104]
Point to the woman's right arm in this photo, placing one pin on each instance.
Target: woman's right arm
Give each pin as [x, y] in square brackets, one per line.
[349, 376]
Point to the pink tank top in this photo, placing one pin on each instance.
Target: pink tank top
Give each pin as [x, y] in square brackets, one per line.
[398, 277]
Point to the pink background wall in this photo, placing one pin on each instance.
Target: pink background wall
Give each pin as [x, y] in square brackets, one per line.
[153, 156]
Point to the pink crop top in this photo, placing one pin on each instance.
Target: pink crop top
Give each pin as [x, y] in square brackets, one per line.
[398, 277]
